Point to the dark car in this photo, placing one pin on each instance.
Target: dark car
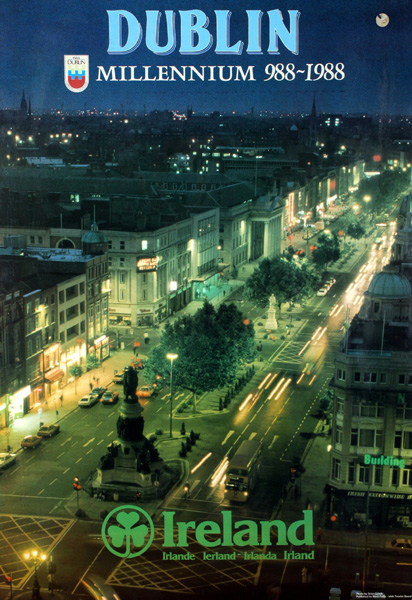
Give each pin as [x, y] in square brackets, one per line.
[109, 398]
[48, 430]
[98, 391]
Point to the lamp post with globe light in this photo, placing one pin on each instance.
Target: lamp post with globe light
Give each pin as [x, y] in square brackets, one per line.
[171, 357]
[37, 558]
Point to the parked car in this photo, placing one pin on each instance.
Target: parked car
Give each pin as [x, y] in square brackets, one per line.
[331, 281]
[109, 397]
[322, 292]
[118, 378]
[146, 391]
[399, 546]
[98, 391]
[48, 430]
[6, 460]
[30, 441]
[88, 400]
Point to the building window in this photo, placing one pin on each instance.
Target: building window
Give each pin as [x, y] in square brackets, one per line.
[81, 287]
[351, 472]
[364, 473]
[356, 376]
[369, 378]
[32, 239]
[144, 244]
[144, 277]
[407, 440]
[376, 307]
[395, 476]
[339, 406]
[61, 297]
[61, 317]
[122, 261]
[110, 245]
[383, 378]
[366, 437]
[397, 443]
[341, 375]
[404, 411]
[122, 277]
[336, 468]
[407, 476]
[40, 239]
[121, 245]
[338, 434]
[354, 436]
[378, 474]
[144, 295]
[401, 378]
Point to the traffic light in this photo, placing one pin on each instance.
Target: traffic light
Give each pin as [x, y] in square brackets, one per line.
[8, 579]
[76, 484]
[292, 473]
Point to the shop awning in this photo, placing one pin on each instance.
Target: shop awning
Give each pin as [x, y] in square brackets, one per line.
[54, 375]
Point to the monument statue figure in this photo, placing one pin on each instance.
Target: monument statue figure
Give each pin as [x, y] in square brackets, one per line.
[130, 383]
[271, 323]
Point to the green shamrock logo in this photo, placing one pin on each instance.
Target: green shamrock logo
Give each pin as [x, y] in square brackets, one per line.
[129, 532]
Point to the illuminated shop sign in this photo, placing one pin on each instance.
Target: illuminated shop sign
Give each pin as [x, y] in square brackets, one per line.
[384, 460]
[147, 264]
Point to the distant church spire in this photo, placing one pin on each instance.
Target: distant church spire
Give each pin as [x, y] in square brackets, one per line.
[23, 105]
[313, 133]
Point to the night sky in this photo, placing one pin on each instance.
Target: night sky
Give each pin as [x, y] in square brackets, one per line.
[36, 34]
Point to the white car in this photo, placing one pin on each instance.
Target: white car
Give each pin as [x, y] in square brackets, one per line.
[6, 460]
[88, 400]
[322, 292]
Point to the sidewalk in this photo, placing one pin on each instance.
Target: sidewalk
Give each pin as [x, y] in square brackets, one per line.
[46, 413]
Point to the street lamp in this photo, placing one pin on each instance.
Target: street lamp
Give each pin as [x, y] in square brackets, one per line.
[37, 559]
[171, 357]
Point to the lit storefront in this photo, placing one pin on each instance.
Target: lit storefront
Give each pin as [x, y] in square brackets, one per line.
[52, 379]
[101, 347]
[19, 403]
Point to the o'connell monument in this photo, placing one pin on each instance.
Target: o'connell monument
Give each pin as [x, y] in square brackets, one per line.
[132, 467]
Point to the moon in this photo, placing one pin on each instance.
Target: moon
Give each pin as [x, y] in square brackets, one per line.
[382, 20]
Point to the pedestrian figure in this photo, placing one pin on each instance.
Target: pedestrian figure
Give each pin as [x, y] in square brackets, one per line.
[61, 399]
[97, 381]
[224, 293]
[91, 386]
[319, 534]
[146, 338]
[304, 574]
[57, 413]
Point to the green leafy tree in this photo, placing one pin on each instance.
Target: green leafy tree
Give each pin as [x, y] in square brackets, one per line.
[327, 250]
[287, 279]
[211, 345]
[91, 362]
[75, 371]
[356, 231]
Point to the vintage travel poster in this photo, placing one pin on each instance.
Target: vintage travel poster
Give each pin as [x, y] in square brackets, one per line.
[205, 299]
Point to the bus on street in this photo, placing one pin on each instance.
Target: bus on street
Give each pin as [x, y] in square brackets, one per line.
[243, 471]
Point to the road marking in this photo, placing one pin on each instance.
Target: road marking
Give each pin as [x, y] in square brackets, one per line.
[89, 442]
[159, 409]
[98, 424]
[68, 440]
[78, 460]
[110, 433]
[64, 472]
[228, 436]
[41, 491]
[252, 435]
[98, 443]
[91, 450]
[275, 437]
[54, 480]
[60, 455]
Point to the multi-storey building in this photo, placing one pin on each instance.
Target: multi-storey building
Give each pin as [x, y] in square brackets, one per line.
[53, 314]
[371, 457]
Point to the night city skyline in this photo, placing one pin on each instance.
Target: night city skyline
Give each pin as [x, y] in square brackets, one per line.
[35, 39]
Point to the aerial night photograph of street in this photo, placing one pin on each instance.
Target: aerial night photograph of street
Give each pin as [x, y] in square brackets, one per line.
[205, 300]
